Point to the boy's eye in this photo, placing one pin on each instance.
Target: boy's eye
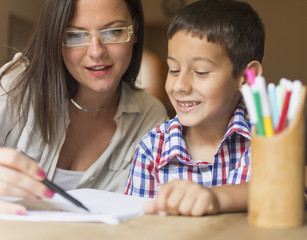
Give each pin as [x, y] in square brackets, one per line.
[201, 73]
[173, 71]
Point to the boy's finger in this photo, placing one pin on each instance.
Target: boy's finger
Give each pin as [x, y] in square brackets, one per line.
[174, 200]
[186, 205]
[162, 197]
[204, 204]
[200, 207]
[150, 207]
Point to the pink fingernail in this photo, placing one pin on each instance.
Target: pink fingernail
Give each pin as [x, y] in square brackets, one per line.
[49, 193]
[20, 212]
[41, 173]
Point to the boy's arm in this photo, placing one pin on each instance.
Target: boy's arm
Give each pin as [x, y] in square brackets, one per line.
[184, 197]
[231, 198]
[141, 180]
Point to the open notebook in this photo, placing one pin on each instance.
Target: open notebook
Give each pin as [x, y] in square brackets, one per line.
[107, 207]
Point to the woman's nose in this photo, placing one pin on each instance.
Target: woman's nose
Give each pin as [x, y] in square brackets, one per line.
[96, 48]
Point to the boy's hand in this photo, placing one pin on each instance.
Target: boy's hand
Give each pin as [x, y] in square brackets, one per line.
[183, 197]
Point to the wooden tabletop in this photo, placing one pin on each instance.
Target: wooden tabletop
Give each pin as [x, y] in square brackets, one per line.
[152, 227]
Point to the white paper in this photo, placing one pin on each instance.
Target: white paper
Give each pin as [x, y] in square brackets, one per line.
[107, 207]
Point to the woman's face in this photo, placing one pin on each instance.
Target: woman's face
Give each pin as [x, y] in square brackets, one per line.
[99, 67]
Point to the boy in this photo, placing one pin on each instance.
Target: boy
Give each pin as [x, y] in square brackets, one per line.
[206, 146]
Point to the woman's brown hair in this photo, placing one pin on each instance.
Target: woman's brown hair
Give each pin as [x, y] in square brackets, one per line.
[46, 80]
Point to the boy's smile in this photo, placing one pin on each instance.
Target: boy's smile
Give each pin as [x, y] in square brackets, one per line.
[200, 83]
[186, 106]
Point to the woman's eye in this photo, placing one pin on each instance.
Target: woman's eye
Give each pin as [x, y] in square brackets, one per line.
[114, 33]
[76, 35]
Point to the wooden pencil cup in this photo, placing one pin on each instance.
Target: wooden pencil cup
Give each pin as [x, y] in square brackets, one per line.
[276, 188]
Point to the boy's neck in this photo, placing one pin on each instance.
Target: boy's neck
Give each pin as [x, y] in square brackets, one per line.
[203, 142]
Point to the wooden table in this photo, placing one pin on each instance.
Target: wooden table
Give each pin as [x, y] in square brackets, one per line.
[152, 227]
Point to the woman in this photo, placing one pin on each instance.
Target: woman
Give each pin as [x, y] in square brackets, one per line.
[68, 101]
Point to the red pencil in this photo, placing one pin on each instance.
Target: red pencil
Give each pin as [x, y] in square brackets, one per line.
[283, 117]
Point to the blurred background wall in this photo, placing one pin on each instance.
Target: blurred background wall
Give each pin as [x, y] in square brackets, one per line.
[285, 22]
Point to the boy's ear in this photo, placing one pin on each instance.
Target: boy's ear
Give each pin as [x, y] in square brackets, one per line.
[256, 66]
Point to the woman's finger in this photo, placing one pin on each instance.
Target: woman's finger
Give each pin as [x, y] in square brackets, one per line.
[13, 159]
[17, 184]
[12, 208]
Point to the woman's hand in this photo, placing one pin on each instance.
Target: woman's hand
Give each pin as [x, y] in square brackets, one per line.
[20, 177]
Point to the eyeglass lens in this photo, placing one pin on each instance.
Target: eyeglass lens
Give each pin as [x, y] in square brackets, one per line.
[80, 38]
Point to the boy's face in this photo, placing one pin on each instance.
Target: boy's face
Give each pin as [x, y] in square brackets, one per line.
[200, 83]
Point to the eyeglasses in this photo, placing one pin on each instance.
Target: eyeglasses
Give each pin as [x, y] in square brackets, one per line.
[79, 38]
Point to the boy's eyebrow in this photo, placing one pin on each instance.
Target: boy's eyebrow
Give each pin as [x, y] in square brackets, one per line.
[170, 58]
[204, 59]
[196, 59]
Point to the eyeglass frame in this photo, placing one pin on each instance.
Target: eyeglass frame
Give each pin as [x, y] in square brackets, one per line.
[97, 33]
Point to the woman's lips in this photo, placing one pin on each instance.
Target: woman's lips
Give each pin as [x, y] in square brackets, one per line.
[98, 70]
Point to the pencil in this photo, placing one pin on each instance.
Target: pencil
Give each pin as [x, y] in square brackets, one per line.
[60, 191]
[265, 107]
[283, 116]
[273, 103]
[260, 127]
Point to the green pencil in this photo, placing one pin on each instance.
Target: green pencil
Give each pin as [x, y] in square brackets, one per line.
[260, 128]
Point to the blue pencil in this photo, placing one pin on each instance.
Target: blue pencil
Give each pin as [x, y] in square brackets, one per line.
[273, 104]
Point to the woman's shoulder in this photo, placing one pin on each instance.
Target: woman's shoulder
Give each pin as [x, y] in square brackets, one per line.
[142, 102]
[9, 78]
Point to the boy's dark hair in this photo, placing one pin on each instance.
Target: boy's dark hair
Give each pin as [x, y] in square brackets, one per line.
[232, 24]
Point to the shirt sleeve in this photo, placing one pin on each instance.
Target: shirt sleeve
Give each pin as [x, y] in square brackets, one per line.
[141, 180]
[8, 115]
[243, 172]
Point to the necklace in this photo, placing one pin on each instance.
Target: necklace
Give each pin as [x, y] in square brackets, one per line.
[86, 109]
[93, 109]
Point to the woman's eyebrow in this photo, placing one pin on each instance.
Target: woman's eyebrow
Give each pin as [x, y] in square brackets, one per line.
[110, 24]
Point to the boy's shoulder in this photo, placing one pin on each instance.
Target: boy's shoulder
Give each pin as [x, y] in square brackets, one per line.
[162, 138]
[163, 132]
[167, 127]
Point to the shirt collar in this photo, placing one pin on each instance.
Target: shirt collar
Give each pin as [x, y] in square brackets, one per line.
[239, 122]
[128, 102]
[175, 148]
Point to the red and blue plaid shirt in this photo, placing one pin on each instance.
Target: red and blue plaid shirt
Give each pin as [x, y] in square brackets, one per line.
[162, 155]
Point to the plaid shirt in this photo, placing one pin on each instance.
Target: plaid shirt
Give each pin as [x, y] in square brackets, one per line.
[162, 156]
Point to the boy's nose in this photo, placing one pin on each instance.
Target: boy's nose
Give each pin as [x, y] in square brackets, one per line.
[96, 49]
[183, 83]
